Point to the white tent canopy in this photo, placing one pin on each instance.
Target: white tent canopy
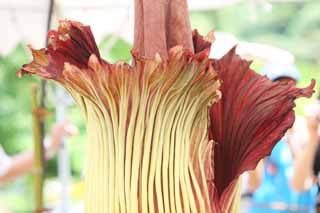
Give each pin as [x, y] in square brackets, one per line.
[250, 51]
[25, 21]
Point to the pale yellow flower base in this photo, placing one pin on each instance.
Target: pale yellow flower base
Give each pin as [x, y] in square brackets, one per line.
[147, 135]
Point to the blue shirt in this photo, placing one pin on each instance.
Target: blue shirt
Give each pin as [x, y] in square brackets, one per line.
[275, 185]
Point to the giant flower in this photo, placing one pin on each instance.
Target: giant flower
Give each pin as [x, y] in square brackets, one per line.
[173, 131]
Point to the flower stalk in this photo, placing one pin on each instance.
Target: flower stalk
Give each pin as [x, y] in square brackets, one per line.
[38, 162]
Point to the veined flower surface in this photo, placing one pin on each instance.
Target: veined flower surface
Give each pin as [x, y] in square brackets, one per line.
[252, 116]
[151, 126]
[148, 148]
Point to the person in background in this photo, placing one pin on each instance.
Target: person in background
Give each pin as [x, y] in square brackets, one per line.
[285, 182]
[313, 114]
[12, 167]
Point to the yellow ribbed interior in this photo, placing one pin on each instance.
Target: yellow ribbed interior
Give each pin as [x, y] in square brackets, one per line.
[147, 134]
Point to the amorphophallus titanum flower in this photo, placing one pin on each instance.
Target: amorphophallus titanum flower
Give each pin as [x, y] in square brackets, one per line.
[159, 137]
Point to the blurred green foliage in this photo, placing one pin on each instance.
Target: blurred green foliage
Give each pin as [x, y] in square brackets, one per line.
[15, 116]
[291, 25]
[114, 49]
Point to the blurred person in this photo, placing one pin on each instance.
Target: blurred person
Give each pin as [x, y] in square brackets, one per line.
[313, 114]
[285, 182]
[12, 167]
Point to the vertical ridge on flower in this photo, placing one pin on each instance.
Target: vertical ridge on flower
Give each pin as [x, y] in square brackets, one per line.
[252, 116]
[148, 149]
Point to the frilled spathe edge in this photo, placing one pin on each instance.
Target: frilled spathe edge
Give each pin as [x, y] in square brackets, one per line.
[73, 43]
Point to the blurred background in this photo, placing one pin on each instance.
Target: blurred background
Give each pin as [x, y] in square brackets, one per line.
[279, 29]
